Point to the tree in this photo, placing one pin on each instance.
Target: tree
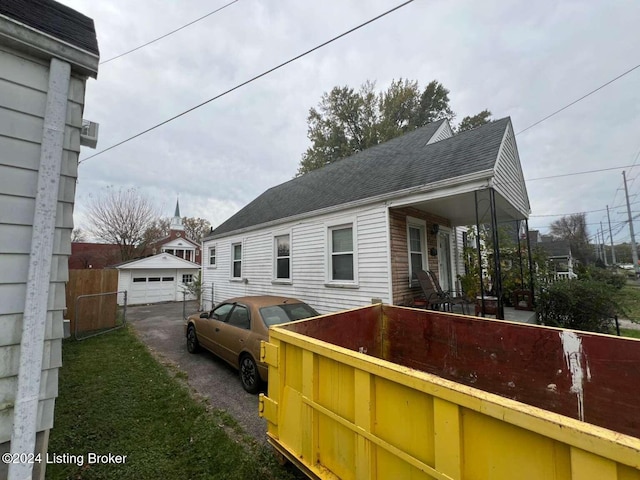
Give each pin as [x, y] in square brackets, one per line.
[122, 217]
[196, 228]
[573, 228]
[348, 121]
[157, 229]
[78, 235]
[474, 121]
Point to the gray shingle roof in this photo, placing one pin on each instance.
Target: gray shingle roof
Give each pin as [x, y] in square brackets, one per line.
[53, 19]
[396, 165]
[556, 248]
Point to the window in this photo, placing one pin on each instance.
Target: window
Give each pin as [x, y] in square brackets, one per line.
[139, 279]
[240, 317]
[187, 278]
[416, 244]
[167, 279]
[276, 314]
[154, 279]
[236, 266]
[222, 311]
[212, 256]
[341, 246]
[283, 257]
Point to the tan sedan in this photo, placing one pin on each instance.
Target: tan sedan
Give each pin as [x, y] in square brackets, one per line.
[234, 328]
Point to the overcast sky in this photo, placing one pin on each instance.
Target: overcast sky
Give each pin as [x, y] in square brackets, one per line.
[519, 58]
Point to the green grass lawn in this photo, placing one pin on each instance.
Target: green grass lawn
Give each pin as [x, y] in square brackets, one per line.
[627, 332]
[114, 397]
[629, 300]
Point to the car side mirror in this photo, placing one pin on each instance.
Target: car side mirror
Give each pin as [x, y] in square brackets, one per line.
[204, 315]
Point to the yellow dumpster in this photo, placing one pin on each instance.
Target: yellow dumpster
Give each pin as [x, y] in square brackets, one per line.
[386, 392]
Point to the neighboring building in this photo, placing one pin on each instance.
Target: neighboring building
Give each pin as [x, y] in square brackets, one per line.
[177, 243]
[355, 231]
[93, 255]
[47, 51]
[559, 258]
[158, 278]
[103, 255]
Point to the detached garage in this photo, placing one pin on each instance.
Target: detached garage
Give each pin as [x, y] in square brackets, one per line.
[159, 278]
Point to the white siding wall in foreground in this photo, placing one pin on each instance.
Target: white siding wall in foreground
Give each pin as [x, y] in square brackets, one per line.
[23, 91]
[309, 249]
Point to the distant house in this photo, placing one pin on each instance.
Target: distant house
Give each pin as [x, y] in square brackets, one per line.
[47, 52]
[357, 230]
[560, 259]
[93, 255]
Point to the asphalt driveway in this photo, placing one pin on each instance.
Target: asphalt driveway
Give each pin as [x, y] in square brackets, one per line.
[160, 327]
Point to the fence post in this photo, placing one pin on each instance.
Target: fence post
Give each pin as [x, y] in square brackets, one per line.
[124, 310]
[213, 302]
[184, 304]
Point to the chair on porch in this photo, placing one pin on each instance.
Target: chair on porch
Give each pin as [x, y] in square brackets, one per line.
[439, 297]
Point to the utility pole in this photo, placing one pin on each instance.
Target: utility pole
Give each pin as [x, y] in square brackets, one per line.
[634, 252]
[613, 250]
[604, 247]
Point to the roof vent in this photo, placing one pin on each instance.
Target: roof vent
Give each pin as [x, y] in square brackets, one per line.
[89, 134]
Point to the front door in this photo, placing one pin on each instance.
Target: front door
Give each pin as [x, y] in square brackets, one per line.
[444, 259]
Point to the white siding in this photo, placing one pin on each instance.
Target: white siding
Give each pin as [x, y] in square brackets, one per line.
[23, 91]
[308, 262]
[509, 180]
[443, 132]
[458, 253]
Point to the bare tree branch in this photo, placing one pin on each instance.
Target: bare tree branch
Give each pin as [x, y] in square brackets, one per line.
[122, 217]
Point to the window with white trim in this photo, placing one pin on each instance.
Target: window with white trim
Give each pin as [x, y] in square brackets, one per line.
[187, 278]
[417, 249]
[236, 260]
[282, 245]
[341, 261]
[212, 256]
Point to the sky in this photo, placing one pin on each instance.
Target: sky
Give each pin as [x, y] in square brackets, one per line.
[520, 59]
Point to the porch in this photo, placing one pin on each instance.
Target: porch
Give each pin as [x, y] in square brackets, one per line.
[475, 243]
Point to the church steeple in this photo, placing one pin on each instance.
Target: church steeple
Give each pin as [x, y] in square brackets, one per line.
[176, 221]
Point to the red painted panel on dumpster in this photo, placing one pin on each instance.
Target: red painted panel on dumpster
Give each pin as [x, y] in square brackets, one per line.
[589, 377]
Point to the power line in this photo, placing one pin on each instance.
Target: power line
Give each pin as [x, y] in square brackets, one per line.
[297, 57]
[584, 211]
[170, 33]
[578, 173]
[579, 99]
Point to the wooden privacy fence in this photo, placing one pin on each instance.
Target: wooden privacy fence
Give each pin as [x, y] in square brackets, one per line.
[95, 313]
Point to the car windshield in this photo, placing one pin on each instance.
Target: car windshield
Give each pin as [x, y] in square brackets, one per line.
[277, 314]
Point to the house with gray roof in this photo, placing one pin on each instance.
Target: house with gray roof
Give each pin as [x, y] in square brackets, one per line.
[357, 230]
[47, 52]
[559, 257]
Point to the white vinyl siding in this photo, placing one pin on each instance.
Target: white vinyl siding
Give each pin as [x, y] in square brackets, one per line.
[23, 94]
[509, 179]
[309, 248]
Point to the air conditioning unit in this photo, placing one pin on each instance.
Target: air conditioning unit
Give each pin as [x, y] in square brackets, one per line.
[89, 134]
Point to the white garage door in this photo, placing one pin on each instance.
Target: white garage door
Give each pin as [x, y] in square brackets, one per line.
[152, 286]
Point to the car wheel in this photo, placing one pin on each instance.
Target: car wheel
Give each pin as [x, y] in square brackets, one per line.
[249, 374]
[192, 340]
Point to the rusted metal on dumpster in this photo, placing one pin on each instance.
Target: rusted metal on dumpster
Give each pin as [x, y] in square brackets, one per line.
[389, 392]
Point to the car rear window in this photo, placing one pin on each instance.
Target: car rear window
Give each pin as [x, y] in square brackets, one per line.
[276, 314]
